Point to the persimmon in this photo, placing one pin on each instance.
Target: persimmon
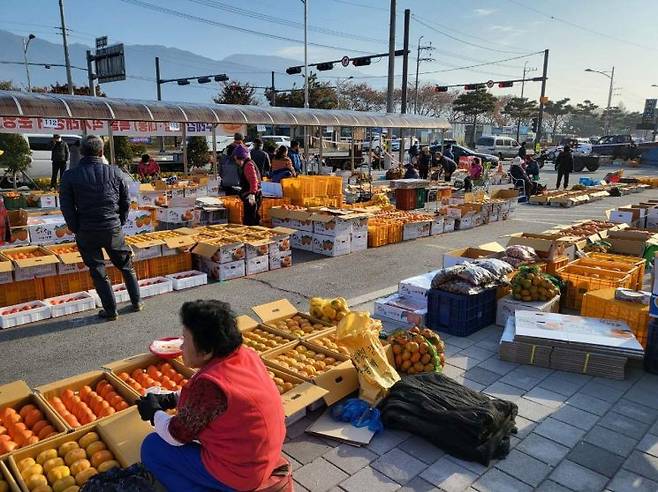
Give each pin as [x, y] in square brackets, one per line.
[36, 428]
[25, 410]
[46, 431]
[32, 417]
[72, 420]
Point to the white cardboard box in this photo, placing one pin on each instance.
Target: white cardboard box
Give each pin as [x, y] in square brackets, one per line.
[282, 260]
[508, 306]
[332, 246]
[402, 309]
[258, 264]
[416, 288]
[437, 225]
[359, 241]
[49, 229]
[414, 230]
[302, 240]
[448, 224]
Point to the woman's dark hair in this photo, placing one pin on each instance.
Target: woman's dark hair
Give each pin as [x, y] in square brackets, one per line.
[281, 152]
[146, 157]
[212, 325]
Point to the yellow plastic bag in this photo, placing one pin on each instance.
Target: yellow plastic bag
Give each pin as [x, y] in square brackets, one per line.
[328, 310]
[359, 333]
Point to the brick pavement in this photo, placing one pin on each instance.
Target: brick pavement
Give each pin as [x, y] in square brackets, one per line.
[576, 433]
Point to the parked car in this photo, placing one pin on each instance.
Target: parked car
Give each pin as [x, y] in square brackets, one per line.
[616, 146]
[460, 150]
[496, 145]
[276, 139]
[41, 146]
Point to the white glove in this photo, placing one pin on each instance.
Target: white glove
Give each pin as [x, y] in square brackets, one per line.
[251, 198]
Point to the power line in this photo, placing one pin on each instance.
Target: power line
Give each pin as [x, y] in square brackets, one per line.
[581, 27]
[183, 15]
[355, 4]
[432, 28]
[285, 22]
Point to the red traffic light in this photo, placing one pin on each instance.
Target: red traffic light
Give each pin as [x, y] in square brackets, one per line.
[505, 84]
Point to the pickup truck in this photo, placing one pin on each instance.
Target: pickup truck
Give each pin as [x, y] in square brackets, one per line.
[616, 146]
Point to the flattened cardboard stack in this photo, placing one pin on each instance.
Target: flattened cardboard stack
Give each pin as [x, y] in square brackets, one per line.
[592, 346]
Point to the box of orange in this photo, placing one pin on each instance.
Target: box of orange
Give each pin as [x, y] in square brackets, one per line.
[72, 459]
[86, 398]
[27, 420]
[31, 262]
[140, 372]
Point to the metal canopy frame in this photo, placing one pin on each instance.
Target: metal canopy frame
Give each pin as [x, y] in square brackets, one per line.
[23, 104]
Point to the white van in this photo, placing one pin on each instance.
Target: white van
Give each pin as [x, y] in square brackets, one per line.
[499, 146]
[41, 145]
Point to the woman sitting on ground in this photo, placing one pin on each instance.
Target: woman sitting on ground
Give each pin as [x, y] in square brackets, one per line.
[229, 427]
[282, 166]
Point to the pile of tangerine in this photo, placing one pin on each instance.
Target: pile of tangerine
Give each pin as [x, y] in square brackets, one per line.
[27, 426]
[162, 375]
[88, 405]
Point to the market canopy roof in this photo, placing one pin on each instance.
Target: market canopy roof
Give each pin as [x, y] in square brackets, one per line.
[35, 105]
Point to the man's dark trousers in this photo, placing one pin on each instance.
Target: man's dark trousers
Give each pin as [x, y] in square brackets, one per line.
[91, 244]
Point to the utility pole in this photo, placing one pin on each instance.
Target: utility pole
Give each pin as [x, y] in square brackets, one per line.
[273, 96]
[90, 74]
[26, 45]
[306, 146]
[405, 69]
[418, 60]
[525, 71]
[391, 59]
[159, 94]
[67, 60]
[607, 111]
[542, 99]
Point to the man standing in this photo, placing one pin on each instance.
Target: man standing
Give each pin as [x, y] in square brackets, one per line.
[564, 165]
[249, 185]
[447, 164]
[522, 151]
[95, 203]
[447, 152]
[59, 154]
[260, 157]
[295, 156]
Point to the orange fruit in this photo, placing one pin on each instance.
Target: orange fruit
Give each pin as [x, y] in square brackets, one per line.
[122, 405]
[31, 440]
[27, 408]
[85, 391]
[67, 394]
[72, 420]
[32, 417]
[36, 428]
[46, 431]
[100, 457]
[106, 412]
[123, 376]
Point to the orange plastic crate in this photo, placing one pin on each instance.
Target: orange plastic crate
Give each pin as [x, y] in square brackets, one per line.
[582, 279]
[602, 304]
[377, 235]
[141, 270]
[23, 291]
[68, 283]
[266, 207]
[165, 265]
[631, 260]
[553, 266]
[405, 199]
[235, 209]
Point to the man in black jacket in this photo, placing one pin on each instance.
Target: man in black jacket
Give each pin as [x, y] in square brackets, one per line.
[522, 151]
[59, 154]
[260, 157]
[564, 165]
[95, 202]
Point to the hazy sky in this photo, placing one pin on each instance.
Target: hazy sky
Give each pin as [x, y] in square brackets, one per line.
[582, 33]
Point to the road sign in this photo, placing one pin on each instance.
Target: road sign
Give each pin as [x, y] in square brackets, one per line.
[261, 128]
[490, 83]
[110, 64]
[649, 113]
[345, 61]
[101, 42]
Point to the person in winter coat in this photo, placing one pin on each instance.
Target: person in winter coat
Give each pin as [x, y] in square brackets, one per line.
[475, 170]
[518, 174]
[95, 203]
[564, 165]
[411, 172]
[295, 156]
[148, 167]
[228, 430]
[448, 165]
[260, 157]
[424, 162]
[74, 154]
[447, 152]
[532, 168]
[522, 151]
[250, 192]
[282, 166]
[59, 154]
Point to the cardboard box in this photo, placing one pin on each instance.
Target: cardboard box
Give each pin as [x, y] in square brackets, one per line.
[303, 395]
[179, 215]
[222, 271]
[359, 241]
[414, 230]
[402, 309]
[258, 264]
[69, 257]
[7, 477]
[282, 260]
[49, 229]
[16, 395]
[259, 247]
[629, 241]
[332, 245]
[17, 218]
[302, 240]
[448, 224]
[437, 226]
[44, 265]
[416, 288]
[18, 236]
[339, 381]
[186, 280]
[296, 219]
[466, 222]
[548, 246]
[75, 383]
[462, 255]
[507, 306]
[6, 271]
[138, 221]
[144, 247]
[331, 225]
[624, 215]
[220, 250]
[43, 200]
[152, 198]
[281, 239]
[282, 309]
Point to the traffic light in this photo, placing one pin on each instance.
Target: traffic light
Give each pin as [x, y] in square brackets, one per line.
[324, 66]
[183, 82]
[473, 87]
[221, 78]
[293, 70]
[203, 80]
[505, 84]
[441, 88]
[360, 62]
[535, 125]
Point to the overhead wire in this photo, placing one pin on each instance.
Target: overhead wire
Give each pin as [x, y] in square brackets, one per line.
[184, 15]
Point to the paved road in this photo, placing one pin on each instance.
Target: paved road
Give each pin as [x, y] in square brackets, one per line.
[54, 349]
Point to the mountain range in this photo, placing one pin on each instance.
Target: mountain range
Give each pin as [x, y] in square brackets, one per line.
[140, 69]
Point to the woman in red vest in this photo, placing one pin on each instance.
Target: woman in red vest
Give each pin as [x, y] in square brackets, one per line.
[229, 427]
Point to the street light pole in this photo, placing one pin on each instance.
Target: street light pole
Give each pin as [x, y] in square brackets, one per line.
[417, 70]
[67, 60]
[606, 128]
[26, 44]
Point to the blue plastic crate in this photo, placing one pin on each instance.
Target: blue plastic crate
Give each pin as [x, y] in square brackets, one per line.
[460, 314]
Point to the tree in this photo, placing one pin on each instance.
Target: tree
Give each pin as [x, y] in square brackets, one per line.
[520, 109]
[58, 88]
[123, 152]
[198, 153]
[361, 97]
[557, 113]
[16, 155]
[321, 95]
[585, 119]
[8, 85]
[236, 93]
[430, 102]
[472, 104]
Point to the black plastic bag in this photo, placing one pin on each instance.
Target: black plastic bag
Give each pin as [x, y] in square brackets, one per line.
[135, 478]
[463, 422]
